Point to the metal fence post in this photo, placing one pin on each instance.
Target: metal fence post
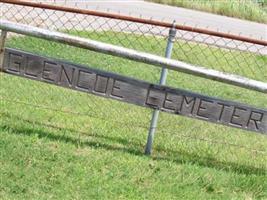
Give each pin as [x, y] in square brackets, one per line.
[163, 77]
[2, 44]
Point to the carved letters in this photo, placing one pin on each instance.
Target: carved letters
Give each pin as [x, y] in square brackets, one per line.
[133, 91]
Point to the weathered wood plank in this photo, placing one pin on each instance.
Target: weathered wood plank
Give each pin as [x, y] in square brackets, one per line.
[134, 91]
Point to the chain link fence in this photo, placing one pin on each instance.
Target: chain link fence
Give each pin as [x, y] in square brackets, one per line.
[44, 105]
[224, 54]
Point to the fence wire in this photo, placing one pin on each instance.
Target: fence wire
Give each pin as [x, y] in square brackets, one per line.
[50, 106]
[219, 53]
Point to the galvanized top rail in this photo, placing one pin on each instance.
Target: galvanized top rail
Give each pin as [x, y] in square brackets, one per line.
[134, 55]
[135, 19]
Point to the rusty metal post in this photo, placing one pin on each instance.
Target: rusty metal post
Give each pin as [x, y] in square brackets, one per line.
[134, 19]
[163, 78]
[2, 44]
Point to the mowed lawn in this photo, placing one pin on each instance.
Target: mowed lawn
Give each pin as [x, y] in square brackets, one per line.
[61, 144]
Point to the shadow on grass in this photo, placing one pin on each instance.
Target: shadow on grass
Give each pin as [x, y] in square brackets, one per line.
[180, 157]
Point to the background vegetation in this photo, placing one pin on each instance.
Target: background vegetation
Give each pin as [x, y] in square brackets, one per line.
[254, 10]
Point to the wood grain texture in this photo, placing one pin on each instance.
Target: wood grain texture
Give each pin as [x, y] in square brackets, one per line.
[110, 85]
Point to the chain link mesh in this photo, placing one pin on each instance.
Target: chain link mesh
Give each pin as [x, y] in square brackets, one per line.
[85, 114]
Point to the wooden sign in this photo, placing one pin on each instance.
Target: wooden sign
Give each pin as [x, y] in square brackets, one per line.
[134, 91]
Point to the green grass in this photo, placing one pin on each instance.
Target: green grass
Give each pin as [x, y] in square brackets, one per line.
[88, 147]
[245, 9]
